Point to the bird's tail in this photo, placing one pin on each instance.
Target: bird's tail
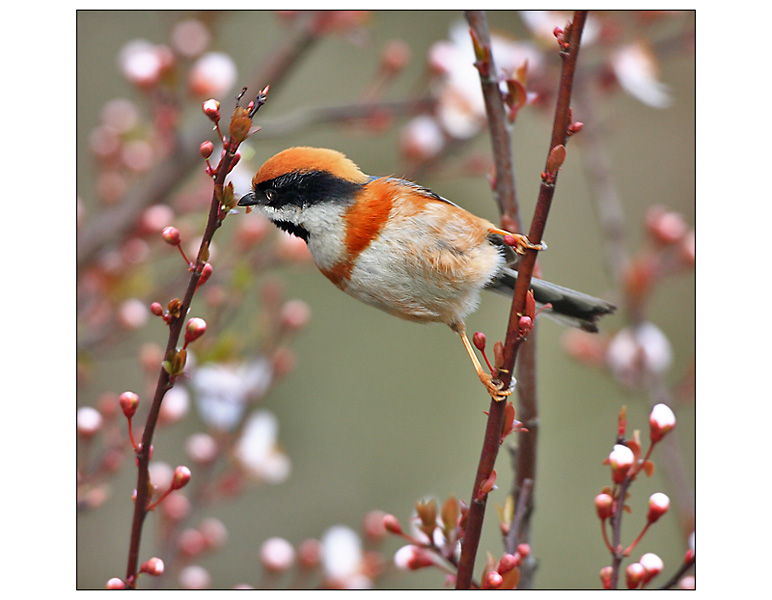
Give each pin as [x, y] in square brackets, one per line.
[569, 307]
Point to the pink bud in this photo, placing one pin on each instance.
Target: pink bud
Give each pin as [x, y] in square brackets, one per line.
[620, 459]
[478, 339]
[206, 149]
[129, 402]
[493, 580]
[181, 477]
[658, 505]
[604, 505]
[411, 558]
[507, 563]
[153, 566]
[653, 565]
[156, 309]
[661, 421]
[195, 328]
[605, 577]
[171, 236]
[391, 523]
[634, 573]
[211, 109]
[114, 583]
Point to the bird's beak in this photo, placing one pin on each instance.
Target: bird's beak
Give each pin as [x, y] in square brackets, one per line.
[248, 199]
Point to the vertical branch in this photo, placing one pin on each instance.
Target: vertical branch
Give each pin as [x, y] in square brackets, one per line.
[165, 378]
[556, 154]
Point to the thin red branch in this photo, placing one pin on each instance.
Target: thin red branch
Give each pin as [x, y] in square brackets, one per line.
[165, 380]
[525, 271]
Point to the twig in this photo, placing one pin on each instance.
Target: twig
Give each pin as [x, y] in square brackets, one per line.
[165, 379]
[513, 340]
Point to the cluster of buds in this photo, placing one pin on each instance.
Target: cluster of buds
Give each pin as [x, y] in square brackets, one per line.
[435, 537]
[504, 574]
[625, 462]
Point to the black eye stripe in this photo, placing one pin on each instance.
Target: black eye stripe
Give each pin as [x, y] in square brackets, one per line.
[307, 188]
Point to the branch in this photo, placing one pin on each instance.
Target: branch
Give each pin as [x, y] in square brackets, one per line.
[493, 430]
[165, 378]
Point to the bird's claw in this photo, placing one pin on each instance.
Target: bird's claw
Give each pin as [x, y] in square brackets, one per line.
[494, 387]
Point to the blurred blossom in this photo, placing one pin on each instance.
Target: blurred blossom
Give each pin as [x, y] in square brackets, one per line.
[277, 554]
[156, 217]
[201, 448]
[138, 155]
[461, 108]
[343, 559]
[258, 450]
[161, 475]
[422, 139]
[291, 248]
[637, 350]
[194, 577]
[223, 391]
[141, 63]
[88, 421]
[120, 114]
[175, 405]
[133, 313]
[212, 75]
[190, 38]
[637, 71]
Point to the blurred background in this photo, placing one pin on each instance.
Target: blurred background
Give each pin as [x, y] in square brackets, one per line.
[304, 411]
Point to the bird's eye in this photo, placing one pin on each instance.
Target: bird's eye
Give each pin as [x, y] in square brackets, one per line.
[270, 194]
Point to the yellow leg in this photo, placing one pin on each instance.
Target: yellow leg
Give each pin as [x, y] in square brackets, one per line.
[493, 388]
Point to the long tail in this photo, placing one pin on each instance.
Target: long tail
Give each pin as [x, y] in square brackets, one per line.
[569, 307]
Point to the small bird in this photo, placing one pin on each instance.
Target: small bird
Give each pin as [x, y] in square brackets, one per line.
[400, 247]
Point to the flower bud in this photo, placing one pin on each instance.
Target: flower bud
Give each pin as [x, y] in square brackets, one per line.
[620, 459]
[634, 573]
[115, 583]
[153, 566]
[157, 309]
[411, 558]
[652, 564]
[206, 148]
[605, 577]
[195, 328]
[211, 109]
[391, 523]
[493, 580]
[129, 402]
[661, 421]
[181, 477]
[658, 505]
[478, 339]
[171, 236]
[604, 505]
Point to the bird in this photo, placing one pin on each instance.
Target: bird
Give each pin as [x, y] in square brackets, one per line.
[399, 247]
